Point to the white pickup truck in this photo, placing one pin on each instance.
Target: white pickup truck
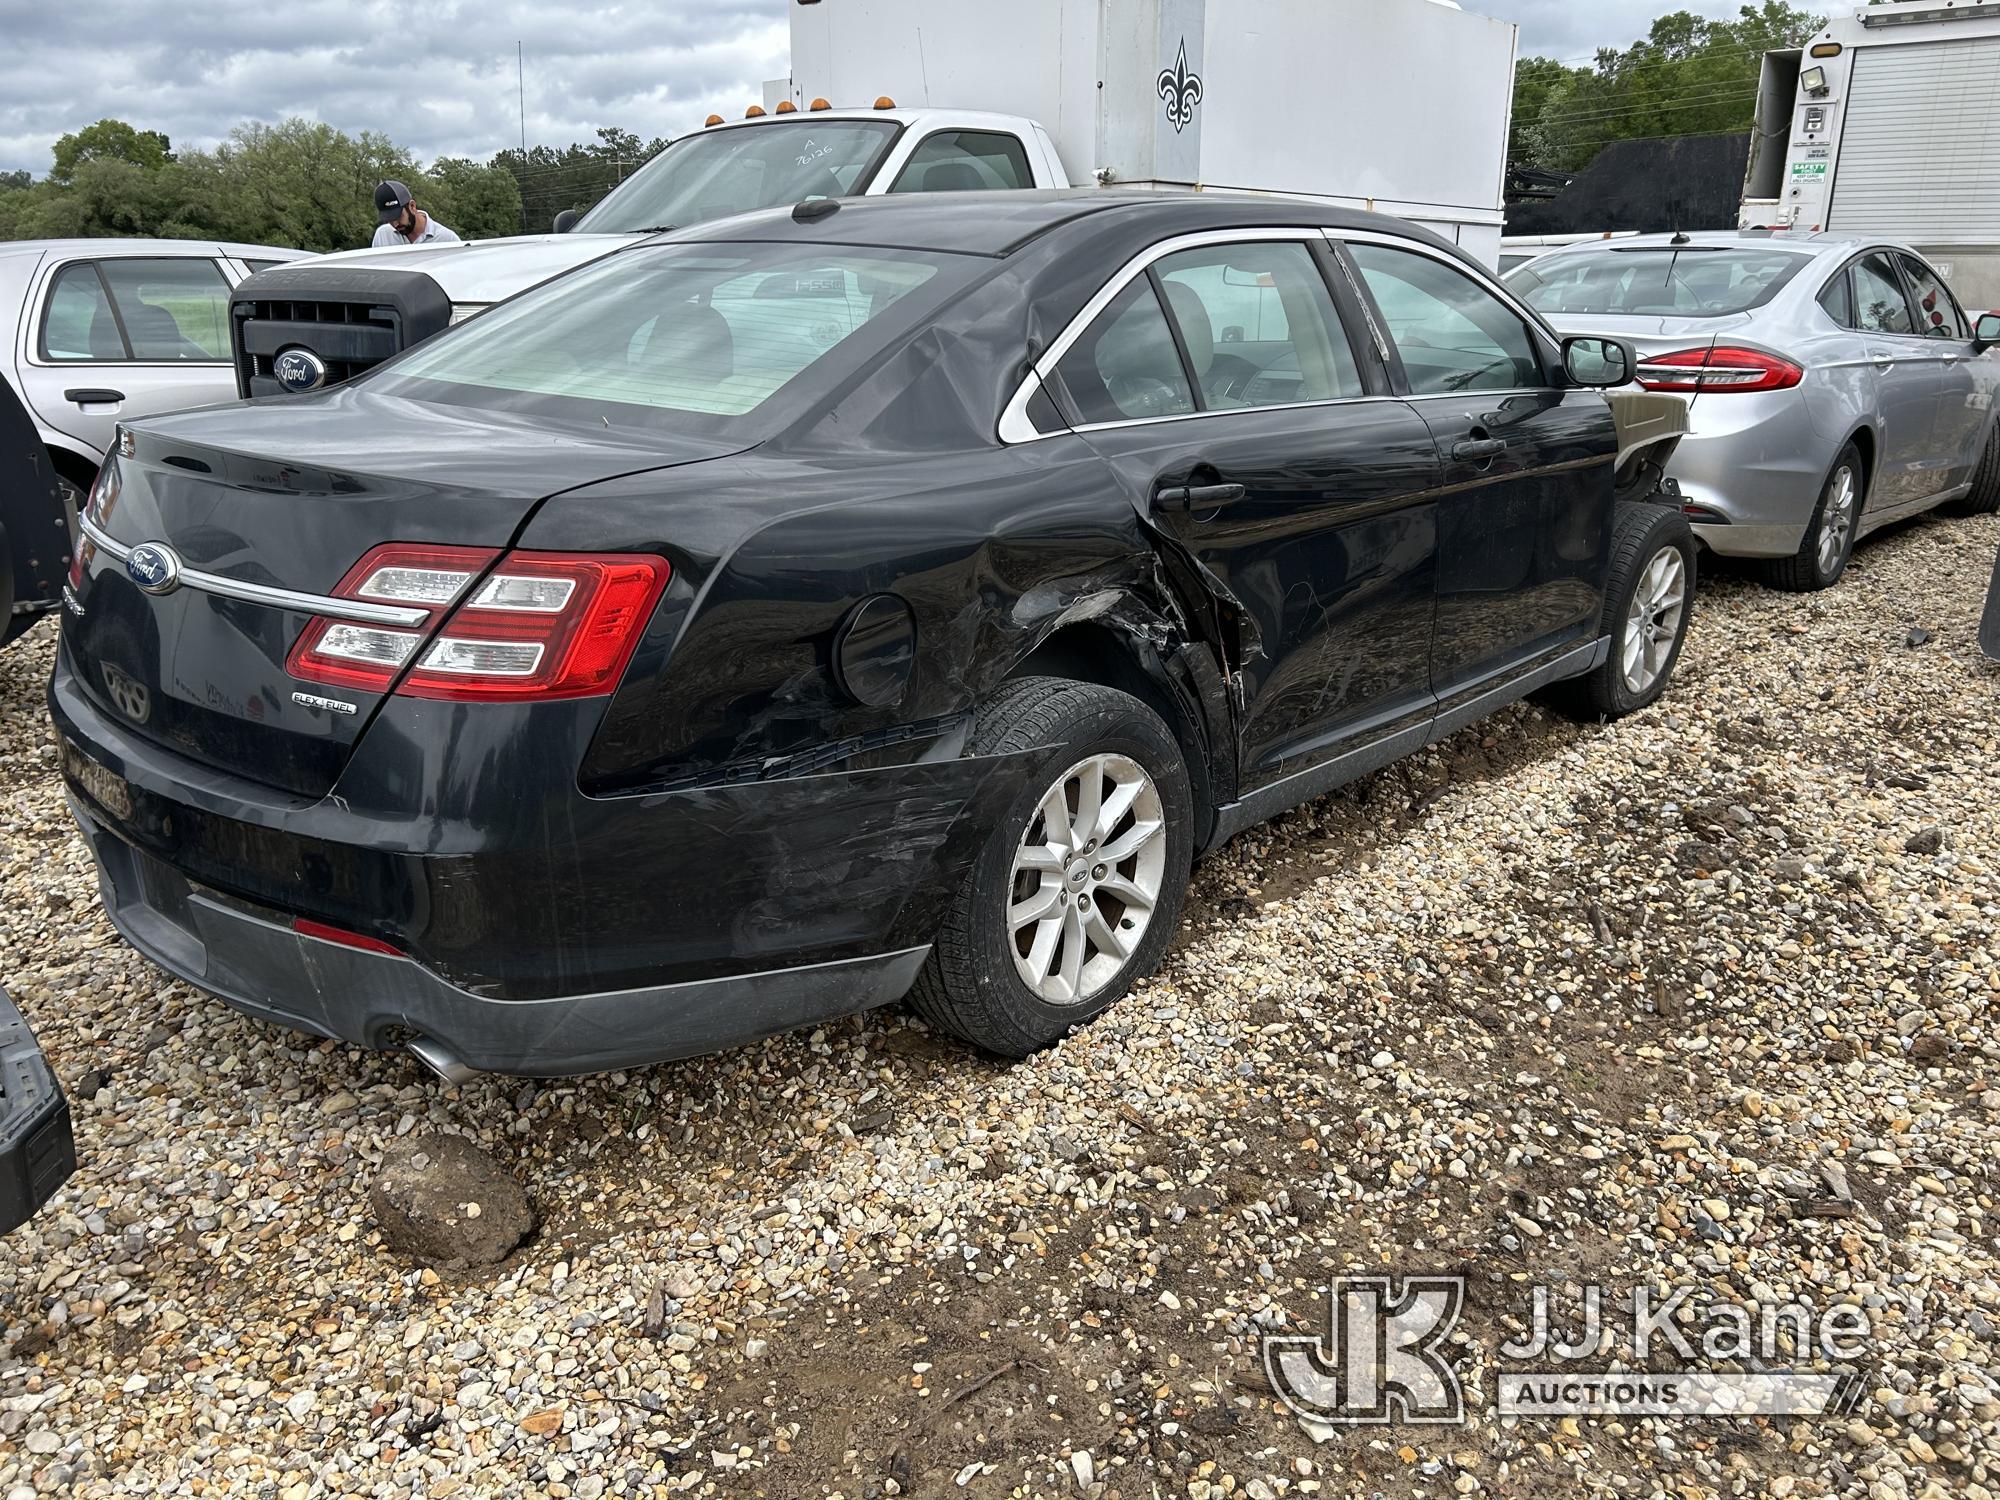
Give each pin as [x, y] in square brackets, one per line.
[324, 320]
[1395, 105]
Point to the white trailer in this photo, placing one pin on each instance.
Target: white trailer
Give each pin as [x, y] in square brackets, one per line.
[1888, 123]
[1401, 106]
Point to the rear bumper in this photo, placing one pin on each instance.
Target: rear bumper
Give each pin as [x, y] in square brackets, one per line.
[258, 964]
[1756, 464]
[546, 931]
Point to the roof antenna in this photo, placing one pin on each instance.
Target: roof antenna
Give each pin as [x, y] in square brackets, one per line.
[1680, 238]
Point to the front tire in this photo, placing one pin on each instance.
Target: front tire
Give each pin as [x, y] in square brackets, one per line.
[1983, 499]
[1078, 889]
[1648, 603]
[1829, 539]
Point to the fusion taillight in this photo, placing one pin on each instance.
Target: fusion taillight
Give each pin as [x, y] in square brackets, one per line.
[366, 656]
[542, 625]
[533, 625]
[1722, 368]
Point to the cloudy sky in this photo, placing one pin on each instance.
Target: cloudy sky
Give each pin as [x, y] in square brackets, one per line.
[438, 75]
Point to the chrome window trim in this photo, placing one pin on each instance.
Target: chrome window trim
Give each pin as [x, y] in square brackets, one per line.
[1014, 424]
[356, 610]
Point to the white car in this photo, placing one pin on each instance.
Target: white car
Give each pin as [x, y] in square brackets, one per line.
[99, 331]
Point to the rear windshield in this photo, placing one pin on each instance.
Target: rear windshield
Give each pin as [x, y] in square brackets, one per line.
[1688, 281]
[687, 336]
[723, 172]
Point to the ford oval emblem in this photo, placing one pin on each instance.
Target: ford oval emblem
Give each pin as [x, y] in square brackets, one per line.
[299, 370]
[155, 568]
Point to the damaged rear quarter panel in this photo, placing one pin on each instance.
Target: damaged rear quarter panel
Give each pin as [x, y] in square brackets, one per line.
[992, 550]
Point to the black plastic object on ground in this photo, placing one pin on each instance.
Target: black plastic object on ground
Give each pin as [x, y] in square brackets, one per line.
[35, 536]
[1989, 622]
[1647, 186]
[37, 1151]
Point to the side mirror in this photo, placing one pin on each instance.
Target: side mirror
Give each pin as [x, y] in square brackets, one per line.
[566, 220]
[1986, 331]
[1598, 363]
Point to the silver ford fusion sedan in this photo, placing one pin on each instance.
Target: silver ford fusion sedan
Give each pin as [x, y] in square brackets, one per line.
[1834, 384]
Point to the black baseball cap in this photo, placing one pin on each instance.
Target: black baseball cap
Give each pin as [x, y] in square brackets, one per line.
[391, 198]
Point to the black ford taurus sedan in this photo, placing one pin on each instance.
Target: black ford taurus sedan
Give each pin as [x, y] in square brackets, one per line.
[817, 607]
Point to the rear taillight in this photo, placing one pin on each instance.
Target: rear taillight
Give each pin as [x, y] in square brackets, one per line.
[537, 625]
[1722, 368]
[542, 625]
[356, 654]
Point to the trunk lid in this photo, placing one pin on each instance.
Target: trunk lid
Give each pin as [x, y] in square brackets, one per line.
[290, 497]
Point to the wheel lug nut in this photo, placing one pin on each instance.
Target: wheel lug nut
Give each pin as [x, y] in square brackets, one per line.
[1097, 873]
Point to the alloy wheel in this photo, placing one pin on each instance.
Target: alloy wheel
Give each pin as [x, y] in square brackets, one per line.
[1087, 878]
[1838, 520]
[1653, 620]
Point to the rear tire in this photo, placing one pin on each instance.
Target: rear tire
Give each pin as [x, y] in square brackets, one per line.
[1983, 499]
[1829, 539]
[1018, 917]
[1648, 603]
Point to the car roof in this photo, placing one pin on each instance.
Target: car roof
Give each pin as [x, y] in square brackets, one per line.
[117, 247]
[998, 222]
[1795, 244]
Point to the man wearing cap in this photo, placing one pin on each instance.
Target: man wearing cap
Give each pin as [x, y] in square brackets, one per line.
[402, 222]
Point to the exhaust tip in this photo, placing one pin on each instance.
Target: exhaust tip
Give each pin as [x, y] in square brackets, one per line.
[441, 1060]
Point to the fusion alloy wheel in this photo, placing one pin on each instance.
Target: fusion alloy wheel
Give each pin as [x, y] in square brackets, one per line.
[1837, 523]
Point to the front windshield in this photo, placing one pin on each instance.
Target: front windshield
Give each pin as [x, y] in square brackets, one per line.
[680, 336]
[1686, 281]
[735, 171]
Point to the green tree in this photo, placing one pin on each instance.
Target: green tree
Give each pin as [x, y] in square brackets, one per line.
[109, 140]
[1687, 76]
[479, 202]
[552, 179]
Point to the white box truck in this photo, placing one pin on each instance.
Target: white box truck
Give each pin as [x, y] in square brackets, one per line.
[1401, 106]
[1888, 123]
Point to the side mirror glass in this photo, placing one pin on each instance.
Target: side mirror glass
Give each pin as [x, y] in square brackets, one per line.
[1987, 329]
[566, 220]
[1596, 362]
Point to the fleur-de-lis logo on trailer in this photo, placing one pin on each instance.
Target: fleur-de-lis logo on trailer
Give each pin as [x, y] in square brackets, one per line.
[1181, 89]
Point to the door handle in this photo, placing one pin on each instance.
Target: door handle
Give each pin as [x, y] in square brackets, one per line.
[1479, 448]
[1196, 496]
[81, 394]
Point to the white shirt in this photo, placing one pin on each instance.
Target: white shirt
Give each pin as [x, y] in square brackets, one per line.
[434, 233]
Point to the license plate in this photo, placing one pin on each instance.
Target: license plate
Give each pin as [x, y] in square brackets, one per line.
[103, 786]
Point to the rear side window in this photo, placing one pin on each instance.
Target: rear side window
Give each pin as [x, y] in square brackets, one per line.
[1125, 367]
[1452, 334]
[1838, 300]
[701, 330]
[1935, 306]
[78, 324]
[1879, 303]
[1258, 325]
[172, 309]
[961, 161]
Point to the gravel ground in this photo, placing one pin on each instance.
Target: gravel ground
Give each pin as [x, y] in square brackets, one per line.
[1704, 999]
